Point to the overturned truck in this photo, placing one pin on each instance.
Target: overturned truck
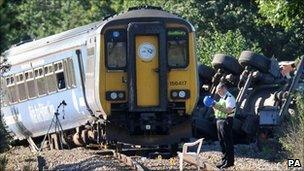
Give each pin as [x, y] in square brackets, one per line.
[264, 94]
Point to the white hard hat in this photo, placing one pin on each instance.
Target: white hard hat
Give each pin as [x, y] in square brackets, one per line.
[282, 63]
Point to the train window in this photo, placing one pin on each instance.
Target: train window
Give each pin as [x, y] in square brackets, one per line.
[60, 81]
[61, 84]
[28, 75]
[31, 86]
[50, 78]
[69, 70]
[41, 81]
[8, 80]
[116, 45]
[12, 91]
[177, 48]
[21, 87]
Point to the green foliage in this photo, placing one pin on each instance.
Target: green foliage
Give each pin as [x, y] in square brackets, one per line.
[4, 138]
[231, 43]
[282, 12]
[293, 137]
[9, 26]
[34, 19]
[22, 20]
[43, 18]
[288, 15]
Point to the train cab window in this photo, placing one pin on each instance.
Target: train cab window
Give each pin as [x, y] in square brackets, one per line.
[21, 87]
[41, 81]
[177, 48]
[12, 91]
[61, 84]
[116, 45]
[50, 78]
[31, 86]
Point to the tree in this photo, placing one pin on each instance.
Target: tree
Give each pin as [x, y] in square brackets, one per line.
[9, 25]
[34, 19]
[282, 12]
[288, 15]
[44, 18]
[230, 43]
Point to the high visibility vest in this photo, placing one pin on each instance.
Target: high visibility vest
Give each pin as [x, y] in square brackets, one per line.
[228, 98]
[219, 114]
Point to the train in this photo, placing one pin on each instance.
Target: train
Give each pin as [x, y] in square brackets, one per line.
[131, 77]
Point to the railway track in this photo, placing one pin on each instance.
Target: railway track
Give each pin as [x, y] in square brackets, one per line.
[133, 159]
[145, 159]
[127, 160]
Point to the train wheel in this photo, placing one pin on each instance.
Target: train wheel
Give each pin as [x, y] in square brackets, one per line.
[260, 62]
[85, 136]
[77, 140]
[227, 63]
[55, 143]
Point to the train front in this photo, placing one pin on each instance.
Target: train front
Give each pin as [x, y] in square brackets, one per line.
[148, 77]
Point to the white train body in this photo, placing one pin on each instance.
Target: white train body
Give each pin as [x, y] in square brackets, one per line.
[32, 115]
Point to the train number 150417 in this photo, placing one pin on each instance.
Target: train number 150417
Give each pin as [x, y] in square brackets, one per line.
[177, 83]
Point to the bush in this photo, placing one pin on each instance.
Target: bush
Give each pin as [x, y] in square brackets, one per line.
[4, 138]
[293, 136]
[230, 43]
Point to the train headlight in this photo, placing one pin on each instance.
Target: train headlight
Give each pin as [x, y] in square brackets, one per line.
[174, 94]
[180, 94]
[115, 95]
[121, 95]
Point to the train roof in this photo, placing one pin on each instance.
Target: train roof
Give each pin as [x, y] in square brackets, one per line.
[147, 14]
[78, 36]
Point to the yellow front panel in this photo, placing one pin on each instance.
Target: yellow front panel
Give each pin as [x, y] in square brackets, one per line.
[186, 78]
[147, 79]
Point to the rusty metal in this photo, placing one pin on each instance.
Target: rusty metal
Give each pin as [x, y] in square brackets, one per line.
[128, 161]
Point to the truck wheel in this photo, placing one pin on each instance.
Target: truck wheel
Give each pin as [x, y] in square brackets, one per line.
[260, 62]
[227, 63]
[205, 72]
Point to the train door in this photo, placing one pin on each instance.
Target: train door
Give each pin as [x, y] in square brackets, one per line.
[147, 67]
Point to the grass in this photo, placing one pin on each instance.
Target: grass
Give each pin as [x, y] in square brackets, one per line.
[292, 138]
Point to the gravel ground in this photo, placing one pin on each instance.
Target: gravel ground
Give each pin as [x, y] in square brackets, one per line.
[21, 158]
[247, 158]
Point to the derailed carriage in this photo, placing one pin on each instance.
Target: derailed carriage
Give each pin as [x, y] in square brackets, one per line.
[264, 96]
[130, 78]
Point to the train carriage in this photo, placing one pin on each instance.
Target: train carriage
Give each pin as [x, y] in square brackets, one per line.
[134, 75]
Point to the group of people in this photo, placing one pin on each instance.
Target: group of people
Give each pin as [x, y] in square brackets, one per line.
[224, 112]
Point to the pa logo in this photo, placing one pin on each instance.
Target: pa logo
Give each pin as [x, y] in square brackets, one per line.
[294, 163]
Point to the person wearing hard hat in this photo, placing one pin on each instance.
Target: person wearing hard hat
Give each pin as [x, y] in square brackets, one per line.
[223, 111]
